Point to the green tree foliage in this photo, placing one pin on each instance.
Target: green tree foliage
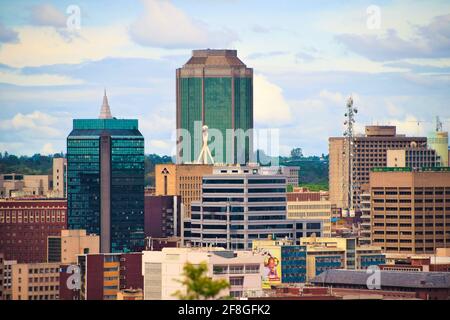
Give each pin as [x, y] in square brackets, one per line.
[150, 161]
[199, 286]
[37, 164]
[296, 153]
[40, 164]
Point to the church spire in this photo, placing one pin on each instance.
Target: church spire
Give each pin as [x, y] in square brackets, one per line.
[105, 111]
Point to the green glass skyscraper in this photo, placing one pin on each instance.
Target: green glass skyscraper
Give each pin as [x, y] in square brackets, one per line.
[105, 171]
[215, 88]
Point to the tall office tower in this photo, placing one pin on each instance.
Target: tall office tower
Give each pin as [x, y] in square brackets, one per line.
[215, 88]
[408, 209]
[239, 205]
[369, 151]
[438, 140]
[410, 157]
[59, 177]
[105, 170]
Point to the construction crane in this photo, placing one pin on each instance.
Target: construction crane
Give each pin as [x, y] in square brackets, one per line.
[439, 124]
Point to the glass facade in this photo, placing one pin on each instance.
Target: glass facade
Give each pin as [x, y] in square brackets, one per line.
[219, 220]
[216, 94]
[293, 264]
[126, 176]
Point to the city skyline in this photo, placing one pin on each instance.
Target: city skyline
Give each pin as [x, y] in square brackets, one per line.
[306, 71]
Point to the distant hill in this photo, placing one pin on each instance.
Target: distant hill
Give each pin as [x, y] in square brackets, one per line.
[40, 164]
[313, 170]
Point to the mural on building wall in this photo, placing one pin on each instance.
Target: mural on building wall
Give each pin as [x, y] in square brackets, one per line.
[272, 266]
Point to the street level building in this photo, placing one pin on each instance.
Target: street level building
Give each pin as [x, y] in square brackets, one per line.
[35, 281]
[104, 275]
[163, 270]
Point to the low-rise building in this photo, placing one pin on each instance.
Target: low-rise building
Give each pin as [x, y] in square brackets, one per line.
[35, 281]
[6, 277]
[162, 216]
[163, 270]
[103, 275]
[356, 257]
[308, 205]
[69, 244]
[423, 285]
[284, 262]
[130, 294]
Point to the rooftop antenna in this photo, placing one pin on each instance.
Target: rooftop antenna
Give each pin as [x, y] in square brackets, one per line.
[349, 134]
[438, 124]
[205, 152]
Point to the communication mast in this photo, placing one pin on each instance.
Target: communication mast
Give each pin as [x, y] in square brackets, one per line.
[349, 135]
[438, 124]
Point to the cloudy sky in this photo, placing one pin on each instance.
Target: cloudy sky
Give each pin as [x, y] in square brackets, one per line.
[308, 56]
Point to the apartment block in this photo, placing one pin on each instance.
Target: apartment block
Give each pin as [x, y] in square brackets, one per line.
[35, 281]
[356, 257]
[104, 275]
[162, 216]
[369, 151]
[163, 270]
[409, 210]
[25, 225]
[69, 244]
[6, 277]
[307, 205]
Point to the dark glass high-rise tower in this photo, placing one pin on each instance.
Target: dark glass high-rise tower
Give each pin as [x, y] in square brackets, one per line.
[215, 88]
[105, 171]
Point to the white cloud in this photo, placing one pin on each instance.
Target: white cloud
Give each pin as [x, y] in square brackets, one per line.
[35, 125]
[48, 149]
[36, 79]
[8, 35]
[166, 26]
[270, 107]
[335, 97]
[46, 46]
[48, 15]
